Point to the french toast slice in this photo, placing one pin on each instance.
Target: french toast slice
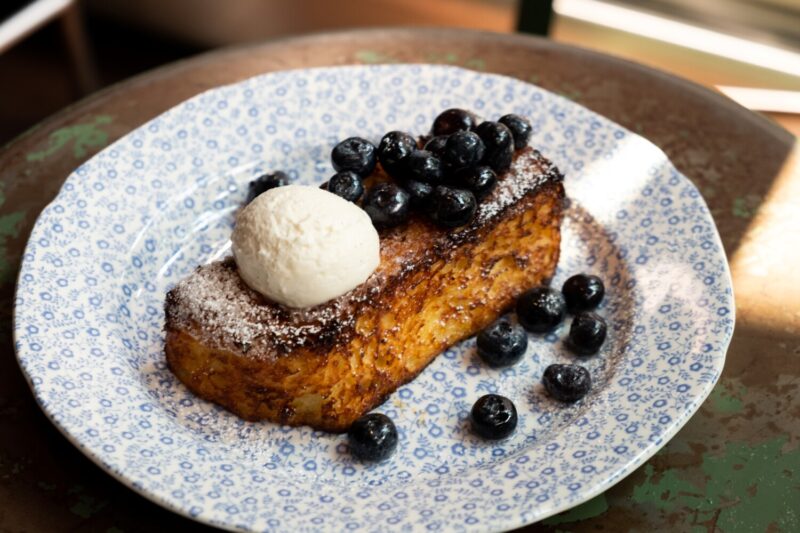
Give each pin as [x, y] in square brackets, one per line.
[326, 366]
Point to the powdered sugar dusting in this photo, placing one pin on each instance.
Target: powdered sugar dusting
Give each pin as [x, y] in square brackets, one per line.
[528, 170]
[217, 303]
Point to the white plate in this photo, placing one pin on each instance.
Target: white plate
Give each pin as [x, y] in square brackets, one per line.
[144, 212]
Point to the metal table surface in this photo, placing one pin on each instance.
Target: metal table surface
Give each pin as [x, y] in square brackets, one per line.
[734, 467]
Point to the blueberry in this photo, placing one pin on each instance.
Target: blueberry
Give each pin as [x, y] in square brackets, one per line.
[494, 417]
[420, 193]
[541, 310]
[395, 146]
[451, 208]
[566, 383]
[463, 149]
[372, 437]
[436, 145]
[583, 292]
[502, 344]
[453, 120]
[387, 205]
[587, 333]
[264, 183]
[480, 180]
[346, 184]
[421, 165]
[355, 154]
[499, 145]
[520, 129]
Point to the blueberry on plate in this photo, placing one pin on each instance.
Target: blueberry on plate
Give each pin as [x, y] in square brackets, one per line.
[264, 183]
[494, 417]
[480, 180]
[394, 147]
[346, 184]
[587, 333]
[463, 149]
[451, 208]
[355, 154]
[436, 145]
[502, 344]
[421, 194]
[499, 145]
[566, 383]
[373, 437]
[583, 292]
[520, 129]
[422, 165]
[541, 310]
[453, 120]
[387, 205]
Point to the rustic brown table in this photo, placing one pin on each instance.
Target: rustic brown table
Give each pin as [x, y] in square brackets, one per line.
[734, 467]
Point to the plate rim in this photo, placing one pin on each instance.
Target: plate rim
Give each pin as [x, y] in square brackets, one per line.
[596, 488]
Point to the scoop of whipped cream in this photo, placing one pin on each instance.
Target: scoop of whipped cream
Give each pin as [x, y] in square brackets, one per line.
[302, 246]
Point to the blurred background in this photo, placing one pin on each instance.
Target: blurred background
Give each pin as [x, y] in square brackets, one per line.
[53, 52]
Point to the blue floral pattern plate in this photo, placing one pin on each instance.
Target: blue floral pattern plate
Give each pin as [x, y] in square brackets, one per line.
[145, 211]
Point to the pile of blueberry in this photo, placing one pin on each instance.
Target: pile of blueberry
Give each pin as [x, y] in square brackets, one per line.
[445, 178]
[373, 437]
[456, 168]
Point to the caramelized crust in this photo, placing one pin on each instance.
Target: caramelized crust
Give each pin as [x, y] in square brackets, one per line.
[326, 366]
